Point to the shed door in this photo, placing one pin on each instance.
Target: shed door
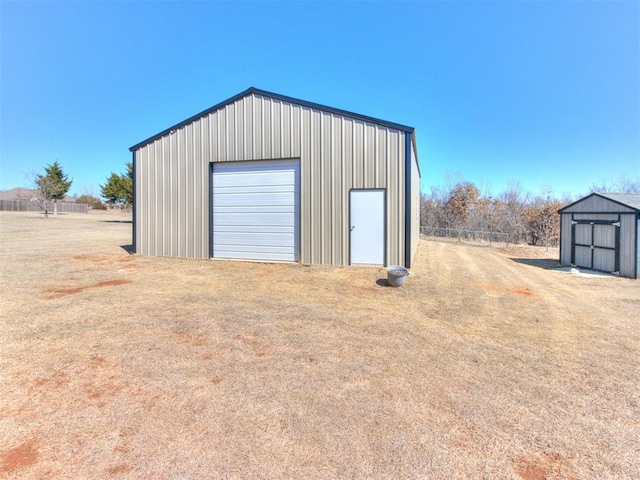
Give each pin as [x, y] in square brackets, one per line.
[256, 210]
[367, 216]
[596, 245]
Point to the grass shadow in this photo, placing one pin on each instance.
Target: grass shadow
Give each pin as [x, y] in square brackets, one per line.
[128, 249]
[382, 282]
[545, 263]
[116, 221]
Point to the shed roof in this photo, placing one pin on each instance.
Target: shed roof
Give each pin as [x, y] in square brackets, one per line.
[256, 91]
[629, 200]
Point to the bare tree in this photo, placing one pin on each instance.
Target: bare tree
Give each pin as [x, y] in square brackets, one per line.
[543, 222]
[622, 185]
[461, 202]
[512, 219]
[627, 185]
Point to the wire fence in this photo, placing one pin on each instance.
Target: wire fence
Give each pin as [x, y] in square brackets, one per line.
[484, 236]
[472, 235]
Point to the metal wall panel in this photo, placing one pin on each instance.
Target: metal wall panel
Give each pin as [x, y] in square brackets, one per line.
[336, 152]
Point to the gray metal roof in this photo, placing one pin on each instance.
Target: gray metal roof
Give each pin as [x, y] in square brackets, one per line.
[631, 200]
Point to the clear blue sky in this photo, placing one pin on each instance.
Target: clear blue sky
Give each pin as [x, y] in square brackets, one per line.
[546, 93]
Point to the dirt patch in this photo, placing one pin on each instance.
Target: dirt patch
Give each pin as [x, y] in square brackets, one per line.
[529, 470]
[63, 292]
[540, 468]
[56, 379]
[18, 457]
[118, 469]
[521, 291]
[108, 387]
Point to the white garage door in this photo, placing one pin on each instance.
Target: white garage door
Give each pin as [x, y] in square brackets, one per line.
[256, 210]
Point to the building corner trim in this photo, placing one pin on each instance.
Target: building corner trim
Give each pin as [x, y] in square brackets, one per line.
[407, 199]
[134, 217]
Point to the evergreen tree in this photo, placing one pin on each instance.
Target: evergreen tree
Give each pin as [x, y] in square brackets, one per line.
[119, 188]
[54, 185]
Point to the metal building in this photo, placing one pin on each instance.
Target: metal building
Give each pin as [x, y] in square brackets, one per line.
[602, 232]
[267, 177]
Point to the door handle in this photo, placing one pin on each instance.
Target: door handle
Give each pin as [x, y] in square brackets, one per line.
[352, 227]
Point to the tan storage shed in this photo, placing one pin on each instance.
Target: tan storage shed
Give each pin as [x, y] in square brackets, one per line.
[601, 232]
[263, 176]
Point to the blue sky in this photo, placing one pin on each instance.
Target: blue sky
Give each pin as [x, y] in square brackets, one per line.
[545, 93]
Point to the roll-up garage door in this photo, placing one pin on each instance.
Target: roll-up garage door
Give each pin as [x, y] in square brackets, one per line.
[256, 210]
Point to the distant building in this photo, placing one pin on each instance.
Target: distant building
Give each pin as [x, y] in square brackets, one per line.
[602, 232]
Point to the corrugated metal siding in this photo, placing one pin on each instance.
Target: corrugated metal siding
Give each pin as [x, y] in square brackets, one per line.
[336, 153]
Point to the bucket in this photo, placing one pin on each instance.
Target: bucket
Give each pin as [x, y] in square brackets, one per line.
[396, 275]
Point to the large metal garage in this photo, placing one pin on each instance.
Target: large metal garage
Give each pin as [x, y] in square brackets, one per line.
[262, 176]
[601, 232]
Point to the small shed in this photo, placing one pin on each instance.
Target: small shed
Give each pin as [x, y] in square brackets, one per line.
[263, 176]
[601, 232]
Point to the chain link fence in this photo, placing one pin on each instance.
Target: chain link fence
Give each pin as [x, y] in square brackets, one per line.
[471, 235]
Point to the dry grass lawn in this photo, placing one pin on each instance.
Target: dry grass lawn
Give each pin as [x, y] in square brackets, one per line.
[484, 365]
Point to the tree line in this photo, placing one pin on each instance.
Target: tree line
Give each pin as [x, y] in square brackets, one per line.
[54, 184]
[456, 208]
[460, 208]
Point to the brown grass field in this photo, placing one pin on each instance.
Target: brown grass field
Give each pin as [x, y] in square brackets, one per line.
[486, 364]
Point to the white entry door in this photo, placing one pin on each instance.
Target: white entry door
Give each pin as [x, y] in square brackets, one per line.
[367, 214]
